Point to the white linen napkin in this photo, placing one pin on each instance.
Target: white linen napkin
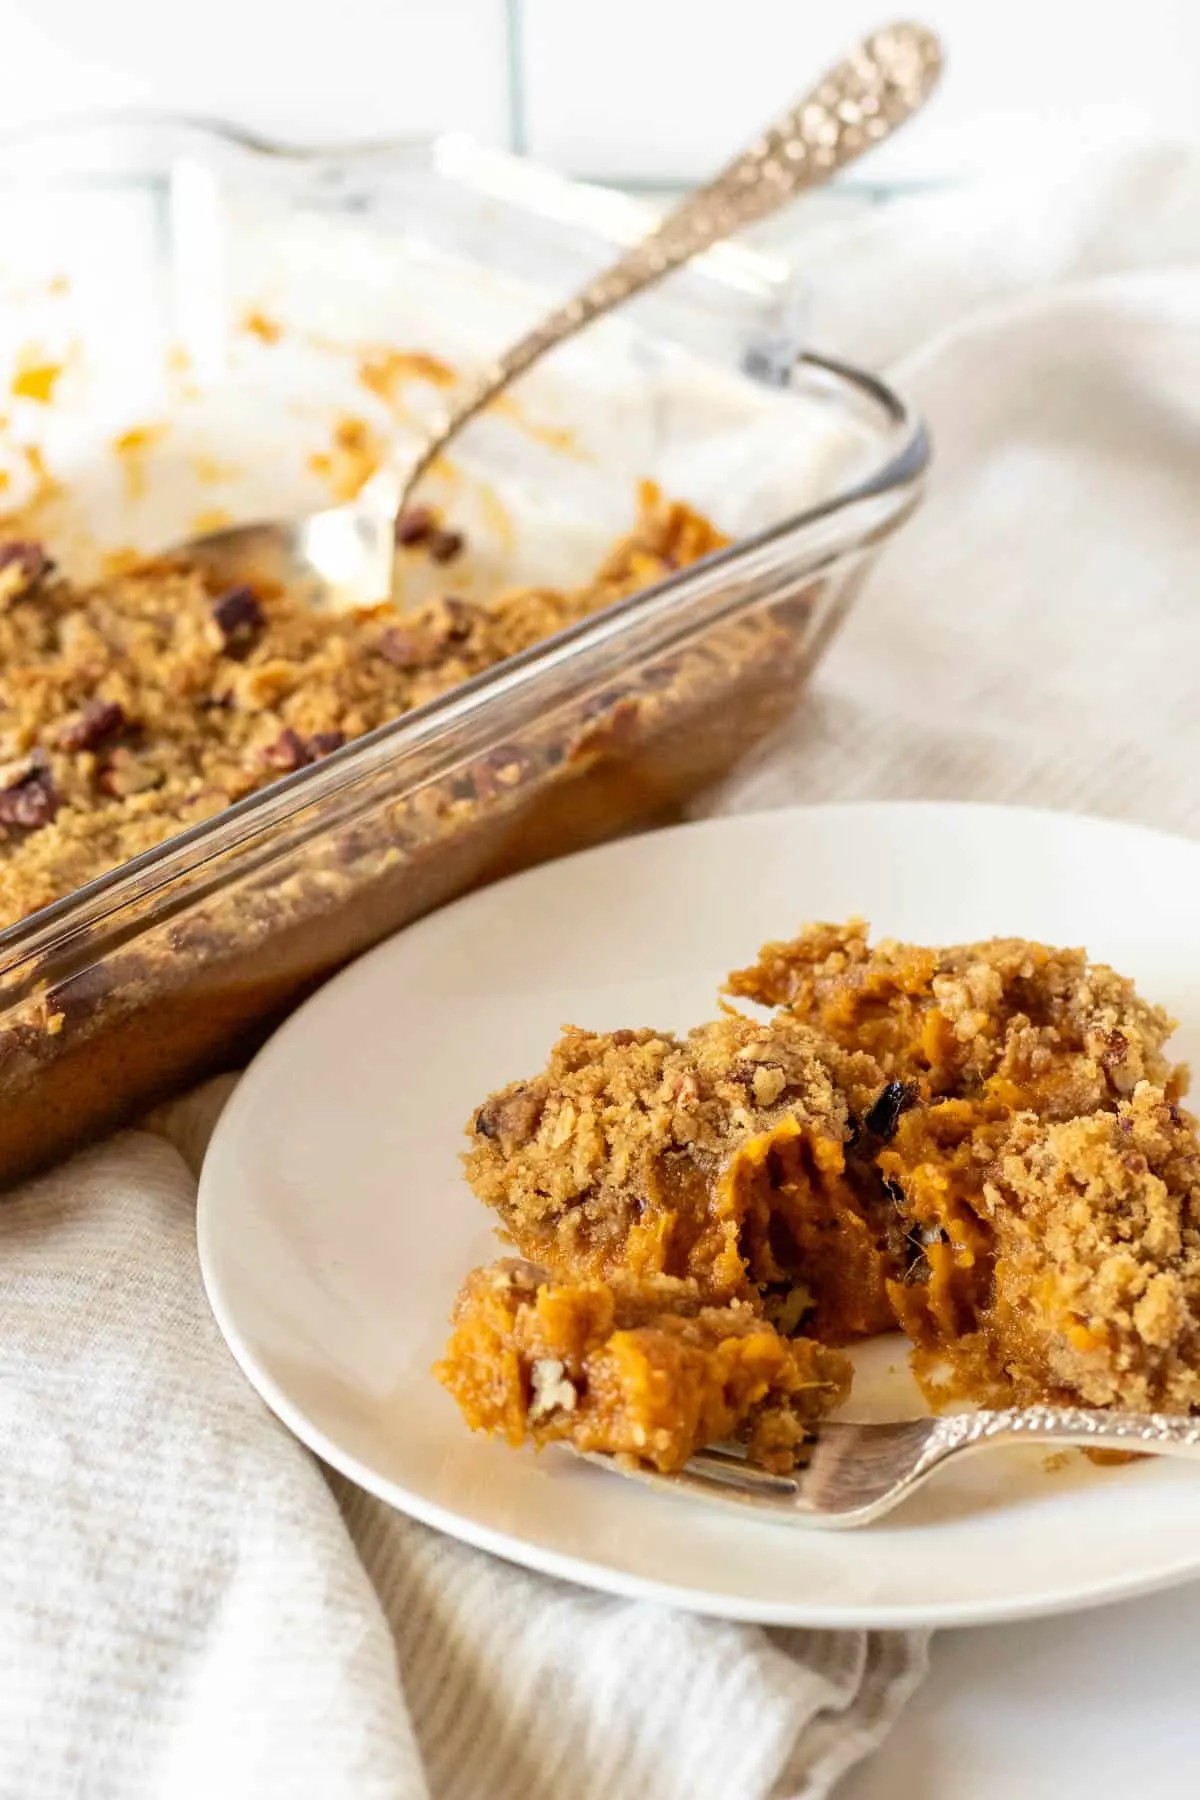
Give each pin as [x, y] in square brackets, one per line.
[1033, 636]
[188, 1606]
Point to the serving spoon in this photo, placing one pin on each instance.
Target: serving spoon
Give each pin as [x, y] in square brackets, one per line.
[344, 556]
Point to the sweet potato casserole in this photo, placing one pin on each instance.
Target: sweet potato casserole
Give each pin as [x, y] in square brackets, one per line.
[982, 1146]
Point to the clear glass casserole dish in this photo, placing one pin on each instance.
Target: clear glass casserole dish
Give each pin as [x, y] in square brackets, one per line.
[195, 326]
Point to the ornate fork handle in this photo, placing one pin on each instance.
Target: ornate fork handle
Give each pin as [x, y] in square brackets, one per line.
[1156, 1434]
[865, 97]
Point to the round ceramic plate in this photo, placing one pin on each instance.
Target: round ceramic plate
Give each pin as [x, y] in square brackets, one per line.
[335, 1224]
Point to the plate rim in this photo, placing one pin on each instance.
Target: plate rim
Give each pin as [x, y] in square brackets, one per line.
[602, 1576]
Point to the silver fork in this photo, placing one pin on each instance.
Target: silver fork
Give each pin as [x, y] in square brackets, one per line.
[857, 1473]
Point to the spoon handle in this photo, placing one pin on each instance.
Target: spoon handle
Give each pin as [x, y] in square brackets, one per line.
[861, 101]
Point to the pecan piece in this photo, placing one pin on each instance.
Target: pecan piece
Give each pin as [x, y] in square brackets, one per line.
[551, 1389]
[615, 727]
[444, 546]
[512, 1116]
[457, 619]
[403, 649]
[98, 721]
[124, 774]
[23, 564]
[500, 771]
[768, 1083]
[324, 743]
[288, 752]
[415, 525]
[239, 618]
[786, 1304]
[30, 800]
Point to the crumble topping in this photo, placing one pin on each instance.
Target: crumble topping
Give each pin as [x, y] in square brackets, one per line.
[134, 708]
[981, 1144]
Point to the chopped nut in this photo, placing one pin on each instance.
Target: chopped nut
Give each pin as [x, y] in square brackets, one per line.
[95, 724]
[768, 1084]
[564, 1125]
[403, 649]
[124, 774]
[23, 564]
[685, 1090]
[30, 801]
[519, 1276]
[414, 525]
[238, 618]
[501, 769]
[614, 731]
[514, 1115]
[444, 546]
[22, 768]
[787, 1310]
[261, 686]
[324, 743]
[288, 752]
[457, 619]
[486, 1124]
[552, 1391]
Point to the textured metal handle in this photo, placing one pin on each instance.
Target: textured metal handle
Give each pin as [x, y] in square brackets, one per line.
[862, 100]
[1152, 1434]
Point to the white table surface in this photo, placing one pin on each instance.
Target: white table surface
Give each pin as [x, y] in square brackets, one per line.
[1102, 1705]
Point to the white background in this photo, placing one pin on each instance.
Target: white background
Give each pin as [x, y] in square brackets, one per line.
[644, 90]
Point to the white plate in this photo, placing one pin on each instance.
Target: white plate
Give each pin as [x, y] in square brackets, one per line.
[335, 1225]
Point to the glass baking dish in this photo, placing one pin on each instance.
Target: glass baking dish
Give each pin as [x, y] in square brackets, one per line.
[188, 319]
